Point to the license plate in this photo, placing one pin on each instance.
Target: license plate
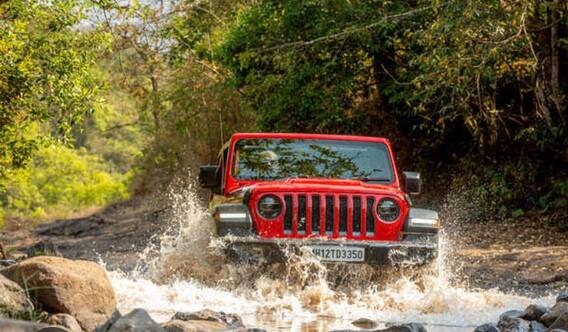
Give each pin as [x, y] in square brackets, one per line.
[339, 253]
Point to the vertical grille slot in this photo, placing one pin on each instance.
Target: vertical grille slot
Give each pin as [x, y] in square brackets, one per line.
[356, 215]
[329, 212]
[302, 221]
[316, 217]
[288, 214]
[370, 219]
[343, 214]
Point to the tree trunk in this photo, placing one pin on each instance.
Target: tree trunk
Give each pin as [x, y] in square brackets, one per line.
[155, 103]
[554, 58]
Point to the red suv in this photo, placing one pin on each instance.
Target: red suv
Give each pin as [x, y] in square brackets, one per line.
[341, 197]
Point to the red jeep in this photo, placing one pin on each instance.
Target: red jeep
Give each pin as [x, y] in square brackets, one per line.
[339, 196]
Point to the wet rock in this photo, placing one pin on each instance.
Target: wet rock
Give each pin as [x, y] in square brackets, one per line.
[364, 323]
[556, 311]
[193, 326]
[138, 320]
[535, 326]
[8, 325]
[562, 297]
[489, 327]
[534, 312]
[412, 327]
[79, 288]
[510, 321]
[7, 262]
[65, 320]
[561, 322]
[230, 320]
[13, 298]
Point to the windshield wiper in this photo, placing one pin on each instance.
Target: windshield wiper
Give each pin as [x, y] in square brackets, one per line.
[372, 179]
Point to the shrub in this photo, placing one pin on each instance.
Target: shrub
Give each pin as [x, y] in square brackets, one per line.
[60, 181]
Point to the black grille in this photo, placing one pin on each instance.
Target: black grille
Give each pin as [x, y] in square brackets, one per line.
[356, 215]
[343, 214]
[298, 224]
[370, 221]
[329, 212]
[316, 217]
[288, 214]
[302, 222]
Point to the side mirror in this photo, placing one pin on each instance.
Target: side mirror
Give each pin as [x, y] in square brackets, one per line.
[209, 177]
[412, 183]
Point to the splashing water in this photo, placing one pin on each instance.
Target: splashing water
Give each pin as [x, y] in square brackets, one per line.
[186, 272]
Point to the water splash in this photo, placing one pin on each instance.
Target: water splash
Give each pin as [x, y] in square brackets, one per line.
[186, 271]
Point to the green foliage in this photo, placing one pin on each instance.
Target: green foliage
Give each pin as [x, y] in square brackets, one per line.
[58, 181]
[46, 83]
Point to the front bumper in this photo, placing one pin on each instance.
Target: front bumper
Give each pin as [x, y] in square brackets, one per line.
[407, 252]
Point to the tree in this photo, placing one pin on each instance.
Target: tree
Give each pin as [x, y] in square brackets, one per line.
[46, 86]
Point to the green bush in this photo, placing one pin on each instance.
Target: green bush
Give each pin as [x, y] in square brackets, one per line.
[60, 181]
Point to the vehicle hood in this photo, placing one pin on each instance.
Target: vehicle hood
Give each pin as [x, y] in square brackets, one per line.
[322, 186]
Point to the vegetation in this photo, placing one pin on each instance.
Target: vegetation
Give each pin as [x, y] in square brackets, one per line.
[466, 90]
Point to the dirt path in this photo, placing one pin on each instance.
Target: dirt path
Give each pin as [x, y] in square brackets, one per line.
[521, 257]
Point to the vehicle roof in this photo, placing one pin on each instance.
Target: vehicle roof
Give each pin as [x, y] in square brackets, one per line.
[238, 136]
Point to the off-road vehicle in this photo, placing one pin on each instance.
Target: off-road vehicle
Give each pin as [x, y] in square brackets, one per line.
[340, 197]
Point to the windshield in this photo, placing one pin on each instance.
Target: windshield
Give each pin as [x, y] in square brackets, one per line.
[274, 159]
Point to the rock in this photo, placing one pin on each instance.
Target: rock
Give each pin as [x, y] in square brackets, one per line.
[556, 311]
[8, 325]
[193, 326]
[489, 327]
[411, 327]
[512, 314]
[7, 262]
[230, 320]
[535, 326]
[43, 248]
[65, 320]
[79, 288]
[534, 312]
[561, 322]
[17, 255]
[510, 321]
[138, 320]
[364, 323]
[562, 297]
[13, 299]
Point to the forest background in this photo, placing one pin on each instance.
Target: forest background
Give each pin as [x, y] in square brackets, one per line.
[103, 100]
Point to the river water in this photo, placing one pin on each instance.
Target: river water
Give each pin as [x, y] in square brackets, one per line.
[185, 272]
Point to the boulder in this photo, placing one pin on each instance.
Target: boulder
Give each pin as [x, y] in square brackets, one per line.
[510, 321]
[534, 312]
[193, 326]
[489, 327]
[556, 311]
[9, 325]
[229, 320]
[562, 297]
[411, 327]
[79, 288]
[536, 326]
[65, 320]
[561, 322]
[13, 299]
[138, 320]
[364, 323]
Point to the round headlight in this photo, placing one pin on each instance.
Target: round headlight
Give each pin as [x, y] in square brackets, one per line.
[269, 207]
[388, 210]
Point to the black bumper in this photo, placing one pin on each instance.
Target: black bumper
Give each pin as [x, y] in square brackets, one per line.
[409, 252]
